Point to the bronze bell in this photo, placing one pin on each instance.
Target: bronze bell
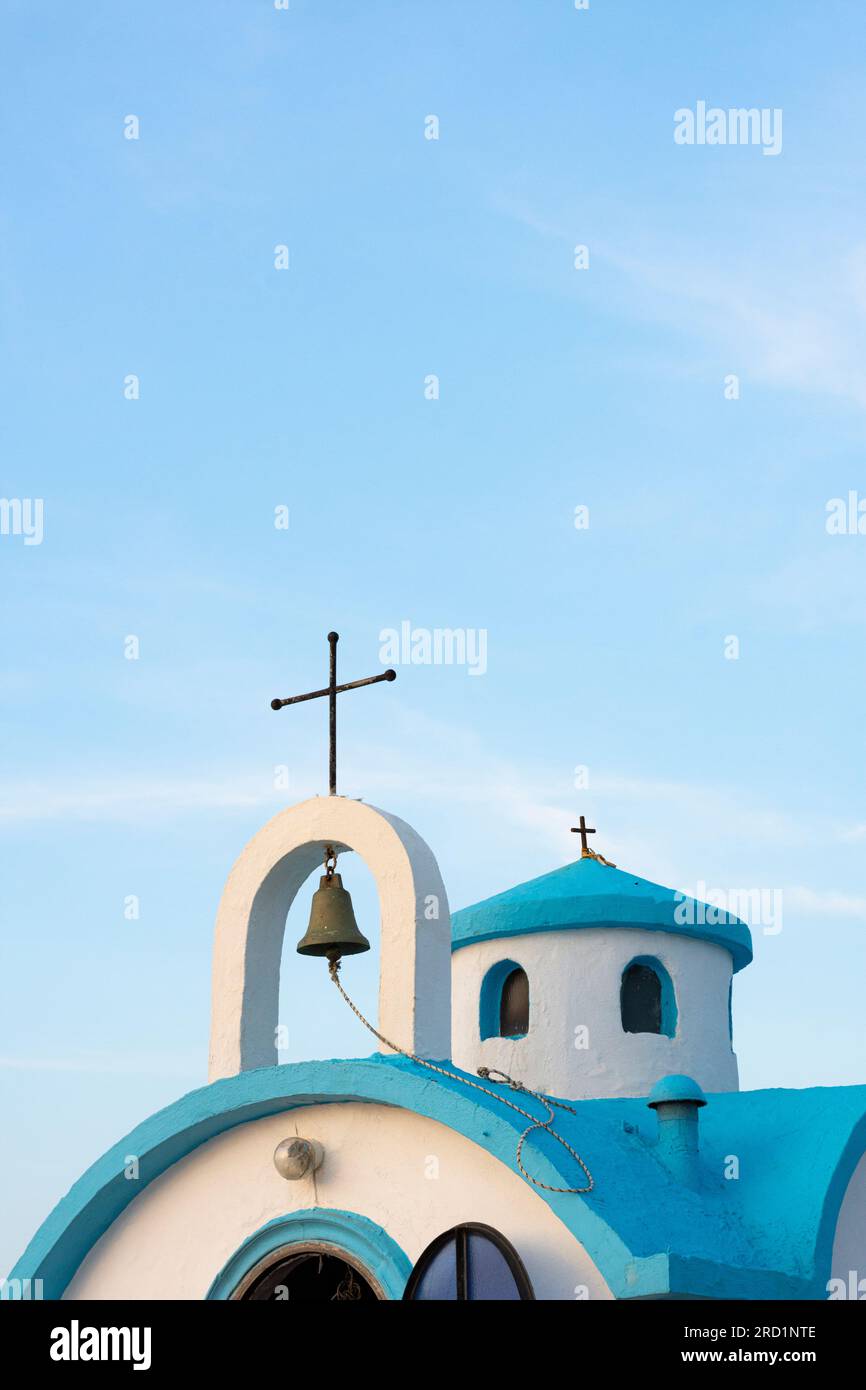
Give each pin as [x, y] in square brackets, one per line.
[333, 930]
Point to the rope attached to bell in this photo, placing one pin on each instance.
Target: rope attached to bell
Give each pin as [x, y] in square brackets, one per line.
[489, 1074]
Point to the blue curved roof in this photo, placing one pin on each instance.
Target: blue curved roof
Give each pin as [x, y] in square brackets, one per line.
[589, 893]
[768, 1235]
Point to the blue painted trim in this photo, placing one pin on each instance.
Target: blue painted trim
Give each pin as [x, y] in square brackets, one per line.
[768, 1235]
[590, 894]
[347, 1231]
[490, 998]
[102, 1193]
[669, 1012]
[470, 934]
[99, 1197]
[843, 1171]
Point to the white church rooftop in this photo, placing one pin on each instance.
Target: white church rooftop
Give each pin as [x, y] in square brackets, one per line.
[580, 1126]
[767, 1235]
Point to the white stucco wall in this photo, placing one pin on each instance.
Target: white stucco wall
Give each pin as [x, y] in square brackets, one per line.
[849, 1245]
[415, 930]
[574, 983]
[380, 1161]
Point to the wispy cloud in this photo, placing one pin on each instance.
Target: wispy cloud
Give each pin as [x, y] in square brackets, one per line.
[108, 1064]
[808, 902]
[790, 321]
[130, 799]
[806, 333]
[674, 831]
[828, 592]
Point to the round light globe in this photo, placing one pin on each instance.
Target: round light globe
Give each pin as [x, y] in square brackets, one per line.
[296, 1158]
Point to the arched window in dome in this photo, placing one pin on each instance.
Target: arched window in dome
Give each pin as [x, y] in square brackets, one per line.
[469, 1262]
[504, 1002]
[647, 1000]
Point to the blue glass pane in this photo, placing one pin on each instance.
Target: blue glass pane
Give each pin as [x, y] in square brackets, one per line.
[439, 1280]
[489, 1274]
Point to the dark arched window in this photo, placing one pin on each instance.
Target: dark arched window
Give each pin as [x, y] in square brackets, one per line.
[647, 999]
[504, 1011]
[469, 1262]
[317, 1275]
[514, 1005]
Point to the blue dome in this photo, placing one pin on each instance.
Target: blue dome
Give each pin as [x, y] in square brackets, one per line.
[588, 893]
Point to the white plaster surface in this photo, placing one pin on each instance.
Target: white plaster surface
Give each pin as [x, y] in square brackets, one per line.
[412, 1176]
[849, 1245]
[415, 950]
[574, 982]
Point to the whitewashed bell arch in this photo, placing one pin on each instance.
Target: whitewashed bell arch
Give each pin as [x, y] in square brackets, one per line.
[415, 945]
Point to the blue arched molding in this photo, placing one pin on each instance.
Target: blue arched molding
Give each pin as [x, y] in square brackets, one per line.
[669, 998]
[490, 998]
[749, 1239]
[347, 1231]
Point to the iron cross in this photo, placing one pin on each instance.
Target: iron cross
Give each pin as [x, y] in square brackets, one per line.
[583, 830]
[332, 690]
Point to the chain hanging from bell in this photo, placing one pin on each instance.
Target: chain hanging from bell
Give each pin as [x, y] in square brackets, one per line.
[332, 929]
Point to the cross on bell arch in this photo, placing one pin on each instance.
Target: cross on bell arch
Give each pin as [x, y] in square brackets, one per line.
[332, 690]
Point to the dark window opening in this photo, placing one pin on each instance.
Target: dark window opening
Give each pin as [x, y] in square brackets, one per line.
[641, 1000]
[469, 1262]
[310, 1276]
[514, 1005]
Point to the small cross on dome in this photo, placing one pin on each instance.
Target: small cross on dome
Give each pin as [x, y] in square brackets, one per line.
[585, 852]
[583, 830]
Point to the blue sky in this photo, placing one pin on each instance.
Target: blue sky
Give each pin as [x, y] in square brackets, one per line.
[304, 388]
